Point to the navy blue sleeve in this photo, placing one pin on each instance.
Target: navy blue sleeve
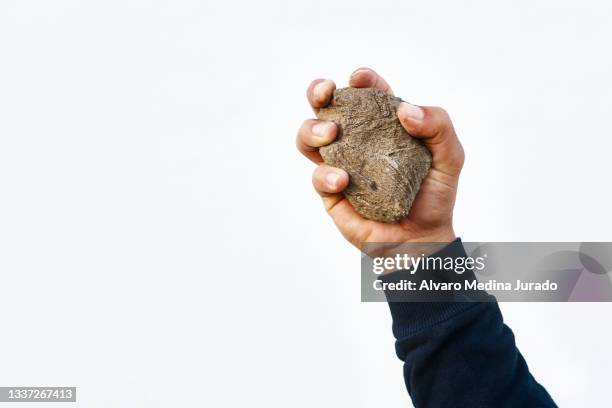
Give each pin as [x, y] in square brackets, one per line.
[461, 354]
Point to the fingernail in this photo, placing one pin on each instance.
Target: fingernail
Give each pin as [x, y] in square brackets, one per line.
[321, 129]
[319, 90]
[358, 71]
[412, 111]
[332, 179]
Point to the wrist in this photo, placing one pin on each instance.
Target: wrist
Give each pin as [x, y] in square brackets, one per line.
[441, 235]
[424, 244]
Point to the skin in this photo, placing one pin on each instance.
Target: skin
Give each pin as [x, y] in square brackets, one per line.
[431, 216]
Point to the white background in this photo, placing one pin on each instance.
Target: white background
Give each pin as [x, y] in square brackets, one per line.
[160, 241]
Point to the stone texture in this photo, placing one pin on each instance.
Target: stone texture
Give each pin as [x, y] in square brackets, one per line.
[385, 164]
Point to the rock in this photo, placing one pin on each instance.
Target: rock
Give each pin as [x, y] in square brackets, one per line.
[385, 164]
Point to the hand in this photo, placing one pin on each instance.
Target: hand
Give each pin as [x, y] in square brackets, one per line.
[431, 216]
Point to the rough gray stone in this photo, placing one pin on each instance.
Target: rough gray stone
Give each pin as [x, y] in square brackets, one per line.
[385, 164]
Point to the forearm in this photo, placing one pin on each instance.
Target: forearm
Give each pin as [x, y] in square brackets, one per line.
[462, 355]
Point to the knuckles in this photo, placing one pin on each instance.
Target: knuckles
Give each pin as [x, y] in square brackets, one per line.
[441, 118]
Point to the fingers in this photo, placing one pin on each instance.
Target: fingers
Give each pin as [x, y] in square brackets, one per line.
[368, 78]
[313, 134]
[434, 127]
[329, 180]
[329, 183]
[319, 93]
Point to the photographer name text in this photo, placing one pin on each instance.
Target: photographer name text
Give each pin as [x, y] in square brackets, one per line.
[431, 285]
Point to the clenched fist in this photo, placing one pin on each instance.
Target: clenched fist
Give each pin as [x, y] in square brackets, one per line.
[430, 218]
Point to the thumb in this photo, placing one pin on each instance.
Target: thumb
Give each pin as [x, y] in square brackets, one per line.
[433, 126]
